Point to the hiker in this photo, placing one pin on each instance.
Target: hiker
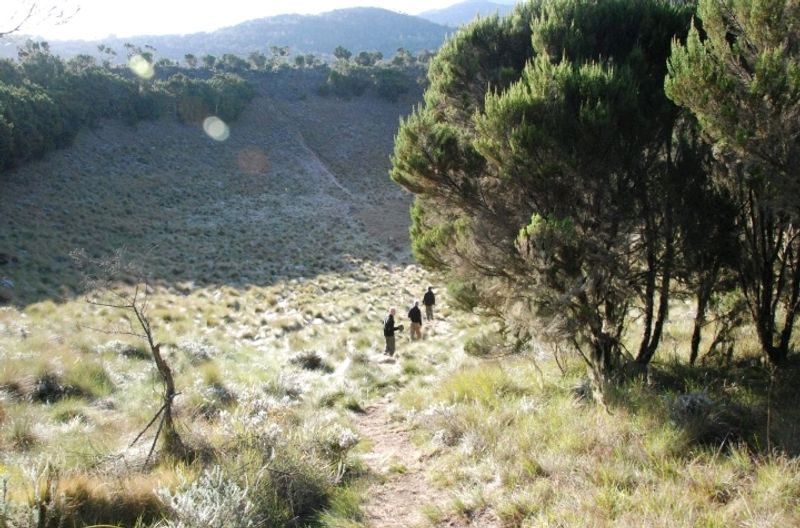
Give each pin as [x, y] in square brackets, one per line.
[388, 332]
[429, 299]
[416, 321]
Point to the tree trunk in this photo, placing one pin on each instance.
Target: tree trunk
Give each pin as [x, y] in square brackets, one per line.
[703, 296]
[172, 441]
[791, 305]
[652, 338]
[649, 304]
[772, 278]
[602, 355]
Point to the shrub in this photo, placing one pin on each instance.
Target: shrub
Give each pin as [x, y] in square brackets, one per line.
[463, 296]
[391, 83]
[483, 345]
[348, 83]
[211, 501]
[310, 360]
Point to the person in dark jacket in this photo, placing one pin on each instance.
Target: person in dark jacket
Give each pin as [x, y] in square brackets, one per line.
[416, 321]
[388, 332]
[429, 299]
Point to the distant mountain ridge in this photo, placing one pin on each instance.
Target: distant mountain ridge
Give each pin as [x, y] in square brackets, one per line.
[465, 12]
[357, 29]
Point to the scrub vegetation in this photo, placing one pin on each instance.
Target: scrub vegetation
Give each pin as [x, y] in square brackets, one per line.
[603, 201]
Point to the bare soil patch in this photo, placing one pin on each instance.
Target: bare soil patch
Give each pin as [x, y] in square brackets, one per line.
[401, 490]
[397, 498]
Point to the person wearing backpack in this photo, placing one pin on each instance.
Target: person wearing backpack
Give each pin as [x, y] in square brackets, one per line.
[415, 315]
[429, 299]
[388, 332]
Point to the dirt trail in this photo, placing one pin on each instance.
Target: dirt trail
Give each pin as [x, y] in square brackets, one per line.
[401, 491]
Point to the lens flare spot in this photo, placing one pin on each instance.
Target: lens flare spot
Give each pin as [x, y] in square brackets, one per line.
[141, 67]
[252, 160]
[216, 128]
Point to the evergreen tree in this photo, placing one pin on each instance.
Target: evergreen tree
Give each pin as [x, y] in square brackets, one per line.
[547, 171]
[740, 75]
[342, 53]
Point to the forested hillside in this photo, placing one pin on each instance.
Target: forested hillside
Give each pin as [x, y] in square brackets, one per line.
[369, 29]
[45, 101]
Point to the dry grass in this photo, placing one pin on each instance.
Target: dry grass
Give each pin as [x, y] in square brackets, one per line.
[102, 389]
[268, 297]
[520, 446]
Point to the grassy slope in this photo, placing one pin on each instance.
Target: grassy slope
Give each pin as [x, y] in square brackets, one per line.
[254, 209]
[271, 284]
[258, 257]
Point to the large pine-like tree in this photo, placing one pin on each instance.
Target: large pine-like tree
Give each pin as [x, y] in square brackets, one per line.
[547, 167]
[740, 76]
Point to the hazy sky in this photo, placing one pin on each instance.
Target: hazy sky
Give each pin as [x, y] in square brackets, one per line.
[100, 18]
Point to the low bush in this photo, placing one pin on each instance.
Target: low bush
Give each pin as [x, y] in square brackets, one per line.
[310, 360]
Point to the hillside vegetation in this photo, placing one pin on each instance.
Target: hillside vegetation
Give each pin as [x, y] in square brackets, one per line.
[602, 353]
[45, 101]
[369, 29]
[263, 257]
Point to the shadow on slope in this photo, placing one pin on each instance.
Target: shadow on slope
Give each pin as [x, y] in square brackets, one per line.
[262, 206]
[722, 404]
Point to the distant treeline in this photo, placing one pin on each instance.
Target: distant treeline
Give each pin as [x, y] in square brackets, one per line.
[45, 101]
[350, 75]
[353, 76]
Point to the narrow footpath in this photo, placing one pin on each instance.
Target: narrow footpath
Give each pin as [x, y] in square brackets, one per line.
[401, 491]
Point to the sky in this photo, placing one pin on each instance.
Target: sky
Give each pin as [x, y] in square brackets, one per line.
[96, 19]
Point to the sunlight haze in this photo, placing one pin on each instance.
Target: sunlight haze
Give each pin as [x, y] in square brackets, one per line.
[98, 19]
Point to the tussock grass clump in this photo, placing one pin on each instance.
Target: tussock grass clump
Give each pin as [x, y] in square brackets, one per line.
[68, 410]
[19, 433]
[310, 360]
[487, 386]
[90, 499]
[89, 379]
[526, 449]
[48, 386]
[57, 498]
[198, 351]
[213, 399]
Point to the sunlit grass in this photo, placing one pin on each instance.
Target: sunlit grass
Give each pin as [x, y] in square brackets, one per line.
[268, 299]
[102, 388]
[534, 455]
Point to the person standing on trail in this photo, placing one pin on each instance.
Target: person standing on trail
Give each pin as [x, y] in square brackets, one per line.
[429, 299]
[416, 321]
[388, 332]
